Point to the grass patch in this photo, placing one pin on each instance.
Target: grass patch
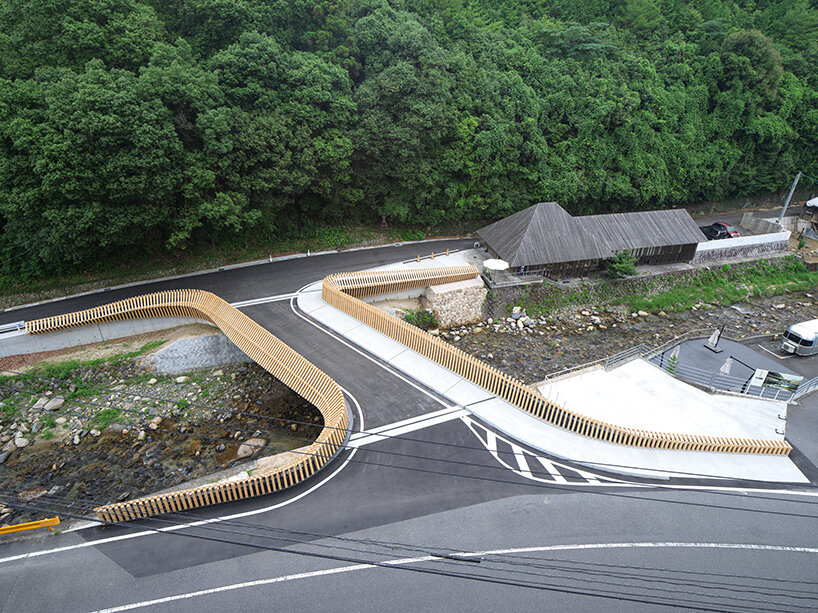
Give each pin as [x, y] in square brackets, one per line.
[63, 370]
[9, 411]
[725, 286]
[421, 318]
[106, 416]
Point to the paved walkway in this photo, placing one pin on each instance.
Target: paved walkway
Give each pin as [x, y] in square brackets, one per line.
[532, 431]
[641, 395]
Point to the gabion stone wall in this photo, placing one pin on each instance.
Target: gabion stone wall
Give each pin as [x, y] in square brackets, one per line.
[458, 303]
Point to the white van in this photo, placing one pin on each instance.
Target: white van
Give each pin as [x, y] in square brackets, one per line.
[801, 339]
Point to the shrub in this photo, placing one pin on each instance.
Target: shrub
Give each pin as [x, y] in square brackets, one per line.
[622, 265]
[421, 318]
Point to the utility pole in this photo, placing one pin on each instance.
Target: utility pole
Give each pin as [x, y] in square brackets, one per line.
[789, 197]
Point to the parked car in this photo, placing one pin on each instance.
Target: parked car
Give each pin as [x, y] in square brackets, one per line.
[731, 230]
[799, 339]
[719, 230]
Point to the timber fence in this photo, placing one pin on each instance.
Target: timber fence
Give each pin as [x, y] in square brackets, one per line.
[273, 355]
[343, 290]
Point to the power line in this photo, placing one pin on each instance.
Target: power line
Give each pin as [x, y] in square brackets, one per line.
[627, 596]
[384, 436]
[527, 561]
[529, 483]
[542, 485]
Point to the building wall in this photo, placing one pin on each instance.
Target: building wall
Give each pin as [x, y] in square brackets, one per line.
[741, 247]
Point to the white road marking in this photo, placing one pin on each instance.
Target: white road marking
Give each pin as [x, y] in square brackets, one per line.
[465, 555]
[345, 342]
[491, 442]
[519, 454]
[410, 425]
[214, 520]
[773, 353]
[552, 471]
[264, 300]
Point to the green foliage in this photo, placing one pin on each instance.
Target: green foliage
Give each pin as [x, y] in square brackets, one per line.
[412, 235]
[672, 364]
[421, 318]
[130, 129]
[55, 370]
[622, 265]
[9, 411]
[727, 286]
[106, 417]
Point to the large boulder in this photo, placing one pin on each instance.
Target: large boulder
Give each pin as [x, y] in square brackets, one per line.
[250, 447]
[54, 404]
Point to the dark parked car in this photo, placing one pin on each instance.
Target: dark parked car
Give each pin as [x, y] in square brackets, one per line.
[719, 230]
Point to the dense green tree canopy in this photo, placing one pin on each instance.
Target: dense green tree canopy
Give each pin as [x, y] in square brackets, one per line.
[131, 124]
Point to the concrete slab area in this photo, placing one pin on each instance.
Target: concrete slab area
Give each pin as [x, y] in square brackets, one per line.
[376, 343]
[540, 435]
[653, 463]
[640, 395]
[430, 373]
[465, 393]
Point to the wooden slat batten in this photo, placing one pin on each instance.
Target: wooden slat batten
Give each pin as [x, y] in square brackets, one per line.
[343, 290]
[280, 360]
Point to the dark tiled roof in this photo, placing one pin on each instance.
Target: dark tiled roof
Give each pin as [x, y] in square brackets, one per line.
[546, 234]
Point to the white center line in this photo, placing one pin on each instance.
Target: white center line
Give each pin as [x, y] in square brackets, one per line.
[465, 555]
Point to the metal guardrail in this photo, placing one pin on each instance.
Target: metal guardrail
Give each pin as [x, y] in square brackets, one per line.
[623, 357]
[15, 326]
[273, 355]
[342, 291]
[32, 525]
[805, 388]
[719, 381]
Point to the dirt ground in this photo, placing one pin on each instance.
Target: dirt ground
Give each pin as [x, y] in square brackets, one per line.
[104, 349]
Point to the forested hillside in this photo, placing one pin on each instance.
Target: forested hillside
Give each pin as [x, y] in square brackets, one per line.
[127, 124]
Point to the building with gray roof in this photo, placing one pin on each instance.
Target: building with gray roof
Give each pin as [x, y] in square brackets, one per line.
[545, 238]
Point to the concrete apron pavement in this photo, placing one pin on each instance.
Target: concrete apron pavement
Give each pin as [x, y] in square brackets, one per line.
[519, 425]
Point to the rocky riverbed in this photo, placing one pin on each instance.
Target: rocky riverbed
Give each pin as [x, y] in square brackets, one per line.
[531, 348]
[100, 433]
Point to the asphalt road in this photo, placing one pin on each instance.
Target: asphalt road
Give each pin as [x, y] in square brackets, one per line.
[378, 529]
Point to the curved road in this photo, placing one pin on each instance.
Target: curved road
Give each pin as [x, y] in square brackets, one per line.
[437, 512]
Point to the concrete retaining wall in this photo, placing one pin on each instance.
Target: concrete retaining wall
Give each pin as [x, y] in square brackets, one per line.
[757, 225]
[741, 247]
[195, 353]
[16, 343]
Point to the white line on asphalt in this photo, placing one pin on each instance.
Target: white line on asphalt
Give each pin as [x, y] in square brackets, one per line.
[773, 353]
[265, 300]
[491, 442]
[174, 528]
[359, 439]
[552, 471]
[344, 341]
[465, 555]
[411, 420]
[519, 454]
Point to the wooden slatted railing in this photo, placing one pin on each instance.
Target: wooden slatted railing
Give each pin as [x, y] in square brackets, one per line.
[343, 290]
[277, 358]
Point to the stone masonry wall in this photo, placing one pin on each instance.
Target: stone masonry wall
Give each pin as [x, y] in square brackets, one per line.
[458, 303]
[197, 353]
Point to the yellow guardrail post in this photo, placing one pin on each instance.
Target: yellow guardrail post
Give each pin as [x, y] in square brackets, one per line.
[32, 525]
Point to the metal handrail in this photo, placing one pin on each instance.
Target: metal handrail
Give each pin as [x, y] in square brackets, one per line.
[805, 388]
[15, 326]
